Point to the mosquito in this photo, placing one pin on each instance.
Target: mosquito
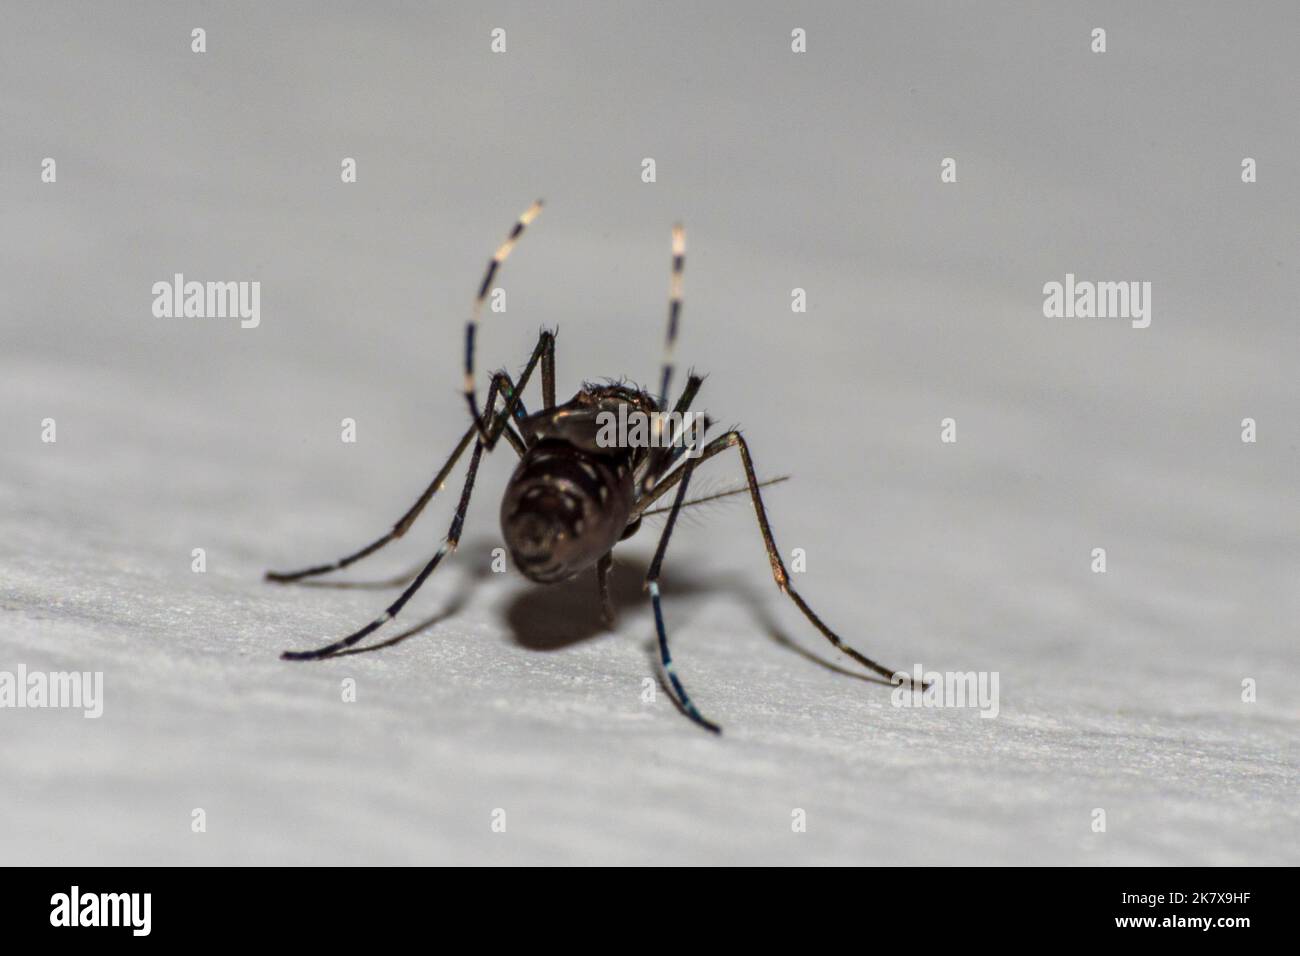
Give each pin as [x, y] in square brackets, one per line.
[571, 498]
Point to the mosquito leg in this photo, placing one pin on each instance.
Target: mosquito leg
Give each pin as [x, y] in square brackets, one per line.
[501, 383]
[471, 327]
[548, 370]
[656, 462]
[544, 352]
[652, 582]
[660, 458]
[674, 311]
[779, 572]
[448, 545]
[501, 425]
[602, 584]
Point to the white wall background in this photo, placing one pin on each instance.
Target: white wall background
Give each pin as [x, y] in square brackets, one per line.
[1119, 691]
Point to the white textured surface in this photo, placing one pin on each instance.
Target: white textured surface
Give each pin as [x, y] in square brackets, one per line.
[1119, 691]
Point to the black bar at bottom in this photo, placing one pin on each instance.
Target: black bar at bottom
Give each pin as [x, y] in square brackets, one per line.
[378, 907]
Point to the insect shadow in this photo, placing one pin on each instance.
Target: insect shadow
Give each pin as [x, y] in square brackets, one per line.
[554, 618]
[551, 619]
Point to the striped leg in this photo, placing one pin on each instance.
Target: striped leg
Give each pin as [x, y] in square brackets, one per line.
[674, 310]
[449, 544]
[471, 327]
[681, 476]
[652, 582]
[658, 458]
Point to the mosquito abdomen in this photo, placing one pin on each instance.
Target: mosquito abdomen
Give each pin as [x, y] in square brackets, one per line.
[564, 509]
